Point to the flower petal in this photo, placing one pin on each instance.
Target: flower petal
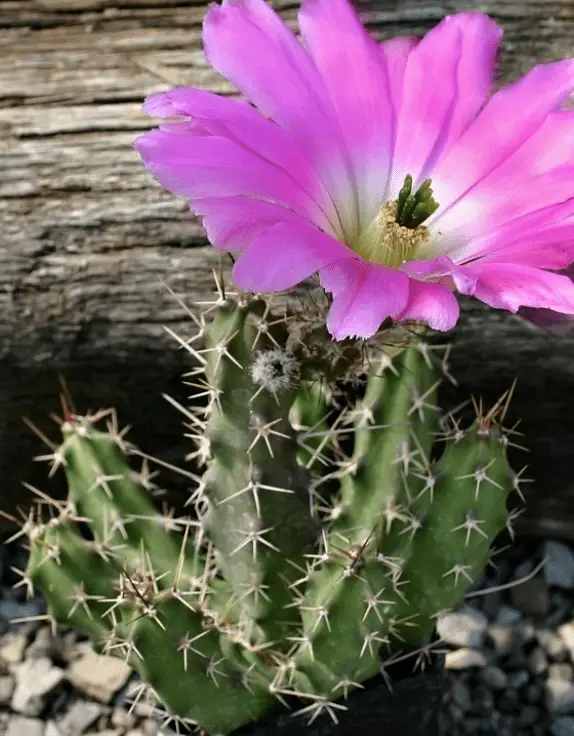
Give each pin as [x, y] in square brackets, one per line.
[354, 73]
[447, 79]
[233, 223]
[538, 174]
[396, 52]
[211, 166]
[510, 286]
[431, 303]
[240, 122]
[247, 42]
[364, 295]
[285, 254]
[509, 118]
[540, 238]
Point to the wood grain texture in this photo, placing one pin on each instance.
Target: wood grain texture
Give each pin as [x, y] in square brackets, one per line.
[87, 237]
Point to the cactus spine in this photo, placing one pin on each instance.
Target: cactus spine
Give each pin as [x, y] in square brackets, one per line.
[325, 536]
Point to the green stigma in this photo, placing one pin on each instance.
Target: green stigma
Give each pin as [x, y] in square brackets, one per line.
[414, 209]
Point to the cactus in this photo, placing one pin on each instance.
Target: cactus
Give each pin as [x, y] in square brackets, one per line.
[329, 531]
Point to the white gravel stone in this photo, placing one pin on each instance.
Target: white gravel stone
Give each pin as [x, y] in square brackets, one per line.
[51, 729]
[13, 649]
[559, 696]
[537, 661]
[463, 629]
[7, 685]
[98, 676]
[552, 643]
[566, 633]
[505, 638]
[20, 726]
[559, 565]
[80, 716]
[35, 680]
[463, 659]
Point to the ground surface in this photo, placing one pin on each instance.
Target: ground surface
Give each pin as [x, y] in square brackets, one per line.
[510, 660]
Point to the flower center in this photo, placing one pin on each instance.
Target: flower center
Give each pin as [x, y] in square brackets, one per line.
[397, 231]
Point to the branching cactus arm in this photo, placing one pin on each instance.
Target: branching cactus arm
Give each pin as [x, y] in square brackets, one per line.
[331, 525]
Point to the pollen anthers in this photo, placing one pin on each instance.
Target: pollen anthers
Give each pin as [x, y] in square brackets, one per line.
[396, 232]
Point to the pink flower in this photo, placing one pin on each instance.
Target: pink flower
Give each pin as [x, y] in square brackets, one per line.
[386, 168]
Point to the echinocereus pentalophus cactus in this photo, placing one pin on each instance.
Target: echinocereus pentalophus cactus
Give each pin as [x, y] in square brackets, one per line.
[338, 512]
[329, 531]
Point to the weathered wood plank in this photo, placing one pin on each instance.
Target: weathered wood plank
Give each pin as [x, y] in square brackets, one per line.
[87, 236]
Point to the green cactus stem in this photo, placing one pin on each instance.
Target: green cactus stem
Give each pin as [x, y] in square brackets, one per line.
[328, 531]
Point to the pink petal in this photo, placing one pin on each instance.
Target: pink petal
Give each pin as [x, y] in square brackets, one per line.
[241, 123]
[431, 303]
[551, 248]
[447, 79]
[510, 286]
[509, 118]
[395, 53]
[232, 223]
[440, 270]
[210, 166]
[354, 73]
[247, 42]
[540, 238]
[562, 324]
[536, 175]
[285, 254]
[364, 295]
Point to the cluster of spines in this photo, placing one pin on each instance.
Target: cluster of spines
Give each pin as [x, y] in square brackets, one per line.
[279, 588]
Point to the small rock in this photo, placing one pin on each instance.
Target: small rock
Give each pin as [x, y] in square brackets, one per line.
[98, 676]
[537, 661]
[504, 638]
[493, 677]
[559, 696]
[51, 729]
[120, 718]
[462, 659]
[566, 633]
[562, 726]
[35, 680]
[528, 716]
[534, 693]
[43, 644]
[560, 672]
[559, 565]
[12, 651]
[7, 686]
[461, 695]
[518, 679]
[463, 629]
[531, 597]
[20, 726]
[148, 728]
[79, 717]
[508, 615]
[552, 644]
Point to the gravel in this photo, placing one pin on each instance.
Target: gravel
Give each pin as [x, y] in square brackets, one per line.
[510, 659]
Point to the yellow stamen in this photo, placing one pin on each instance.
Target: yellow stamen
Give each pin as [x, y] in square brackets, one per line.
[387, 242]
